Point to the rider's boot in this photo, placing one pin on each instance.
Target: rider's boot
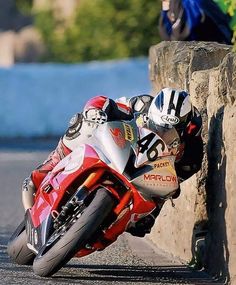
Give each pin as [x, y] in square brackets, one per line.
[32, 183]
[144, 225]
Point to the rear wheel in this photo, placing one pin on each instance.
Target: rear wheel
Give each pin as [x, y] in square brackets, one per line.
[58, 251]
[17, 247]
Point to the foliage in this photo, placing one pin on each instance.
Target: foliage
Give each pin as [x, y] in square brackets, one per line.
[230, 7]
[101, 29]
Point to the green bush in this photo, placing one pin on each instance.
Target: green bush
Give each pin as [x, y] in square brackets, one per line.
[229, 6]
[100, 30]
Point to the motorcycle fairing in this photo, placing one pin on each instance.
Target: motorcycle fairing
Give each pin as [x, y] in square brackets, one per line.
[154, 178]
[154, 148]
[109, 152]
[60, 180]
[115, 140]
[137, 208]
[159, 180]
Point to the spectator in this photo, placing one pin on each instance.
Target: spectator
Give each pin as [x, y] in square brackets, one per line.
[194, 20]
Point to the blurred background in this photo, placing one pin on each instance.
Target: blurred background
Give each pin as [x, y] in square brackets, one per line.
[56, 54]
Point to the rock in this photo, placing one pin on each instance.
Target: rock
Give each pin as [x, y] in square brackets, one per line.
[173, 63]
[207, 71]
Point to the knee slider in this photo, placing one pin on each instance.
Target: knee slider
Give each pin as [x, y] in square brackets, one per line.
[28, 185]
[28, 192]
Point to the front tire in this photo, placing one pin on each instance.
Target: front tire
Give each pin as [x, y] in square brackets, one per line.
[49, 261]
[17, 247]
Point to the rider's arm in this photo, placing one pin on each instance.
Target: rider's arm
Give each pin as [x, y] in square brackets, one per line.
[136, 104]
[96, 104]
[98, 109]
[191, 160]
[113, 110]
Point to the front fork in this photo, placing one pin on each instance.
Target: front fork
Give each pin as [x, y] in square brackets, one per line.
[77, 200]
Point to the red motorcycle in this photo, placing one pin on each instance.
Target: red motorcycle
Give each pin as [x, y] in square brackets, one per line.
[95, 193]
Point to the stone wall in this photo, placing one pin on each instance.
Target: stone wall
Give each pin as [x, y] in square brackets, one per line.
[205, 210]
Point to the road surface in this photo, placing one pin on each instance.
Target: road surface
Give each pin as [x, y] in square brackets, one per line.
[129, 261]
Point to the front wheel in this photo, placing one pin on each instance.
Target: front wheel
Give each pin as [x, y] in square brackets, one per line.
[17, 247]
[52, 257]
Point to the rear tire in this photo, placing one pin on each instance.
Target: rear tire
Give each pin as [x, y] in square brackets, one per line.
[49, 261]
[17, 247]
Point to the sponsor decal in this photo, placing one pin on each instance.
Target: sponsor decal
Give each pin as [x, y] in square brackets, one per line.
[118, 137]
[129, 135]
[162, 164]
[170, 119]
[161, 178]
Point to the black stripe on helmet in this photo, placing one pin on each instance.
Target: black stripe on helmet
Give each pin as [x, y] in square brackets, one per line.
[171, 103]
[160, 101]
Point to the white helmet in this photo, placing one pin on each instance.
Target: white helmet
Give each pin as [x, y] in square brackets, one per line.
[171, 108]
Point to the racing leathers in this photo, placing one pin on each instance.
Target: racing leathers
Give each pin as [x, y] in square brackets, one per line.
[101, 109]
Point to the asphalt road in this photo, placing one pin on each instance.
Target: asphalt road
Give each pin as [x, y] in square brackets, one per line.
[128, 261]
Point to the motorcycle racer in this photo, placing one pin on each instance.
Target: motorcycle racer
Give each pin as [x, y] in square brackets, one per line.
[169, 108]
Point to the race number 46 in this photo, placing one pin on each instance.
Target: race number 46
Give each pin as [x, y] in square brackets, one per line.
[153, 149]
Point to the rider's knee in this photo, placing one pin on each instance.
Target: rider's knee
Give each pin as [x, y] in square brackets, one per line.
[28, 193]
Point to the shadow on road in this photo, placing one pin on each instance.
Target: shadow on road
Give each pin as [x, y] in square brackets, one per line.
[110, 273]
[146, 274]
